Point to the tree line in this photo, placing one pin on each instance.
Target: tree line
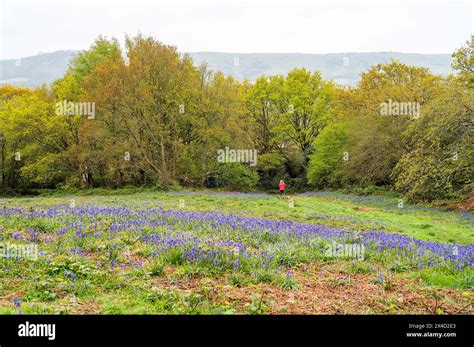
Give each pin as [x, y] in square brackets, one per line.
[145, 115]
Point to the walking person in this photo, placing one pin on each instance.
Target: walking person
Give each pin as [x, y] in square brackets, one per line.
[281, 186]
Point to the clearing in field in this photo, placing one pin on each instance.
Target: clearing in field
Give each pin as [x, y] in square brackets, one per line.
[233, 253]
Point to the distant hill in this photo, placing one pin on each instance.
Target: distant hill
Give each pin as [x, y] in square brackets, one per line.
[35, 70]
[343, 68]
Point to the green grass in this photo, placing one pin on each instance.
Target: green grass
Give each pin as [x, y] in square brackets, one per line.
[425, 224]
[171, 284]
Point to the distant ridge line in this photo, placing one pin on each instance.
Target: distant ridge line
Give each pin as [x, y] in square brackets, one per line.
[343, 68]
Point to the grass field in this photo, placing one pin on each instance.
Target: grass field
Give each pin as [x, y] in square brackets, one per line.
[229, 253]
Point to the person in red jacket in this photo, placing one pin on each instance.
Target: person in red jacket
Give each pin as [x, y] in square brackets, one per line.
[281, 186]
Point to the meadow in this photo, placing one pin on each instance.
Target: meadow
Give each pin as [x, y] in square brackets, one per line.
[204, 252]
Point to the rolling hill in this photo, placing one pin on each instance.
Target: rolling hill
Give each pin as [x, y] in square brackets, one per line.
[343, 68]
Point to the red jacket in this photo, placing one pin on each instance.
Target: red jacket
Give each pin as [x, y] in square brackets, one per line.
[281, 186]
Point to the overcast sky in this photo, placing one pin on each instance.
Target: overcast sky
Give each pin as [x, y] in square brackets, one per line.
[302, 26]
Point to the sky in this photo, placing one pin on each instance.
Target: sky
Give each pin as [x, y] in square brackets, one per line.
[30, 27]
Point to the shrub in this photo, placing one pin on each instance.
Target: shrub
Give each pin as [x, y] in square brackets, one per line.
[236, 176]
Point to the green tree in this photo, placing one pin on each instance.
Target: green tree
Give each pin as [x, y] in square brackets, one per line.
[439, 164]
[463, 63]
[374, 143]
[328, 157]
[305, 105]
[264, 106]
